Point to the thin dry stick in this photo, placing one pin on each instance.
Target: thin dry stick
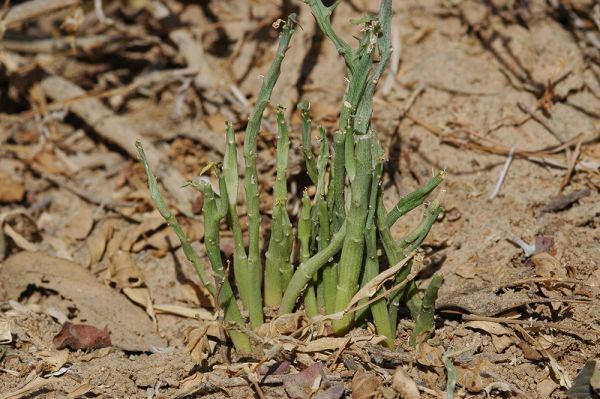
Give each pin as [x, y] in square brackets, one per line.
[500, 149]
[531, 112]
[529, 323]
[542, 280]
[503, 173]
[571, 168]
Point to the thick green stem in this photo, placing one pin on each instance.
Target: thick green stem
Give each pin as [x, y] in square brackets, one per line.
[413, 200]
[307, 269]
[352, 252]
[322, 15]
[335, 196]
[251, 179]
[378, 308]
[424, 323]
[362, 119]
[309, 158]
[278, 268]
[304, 232]
[410, 242]
[240, 258]
[214, 210]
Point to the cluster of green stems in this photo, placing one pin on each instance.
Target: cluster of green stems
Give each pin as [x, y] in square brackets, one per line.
[342, 239]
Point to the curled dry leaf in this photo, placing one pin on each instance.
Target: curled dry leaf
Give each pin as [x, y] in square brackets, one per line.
[304, 384]
[282, 325]
[5, 330]
[81, 390]
[82, 336]
[95, 245]
[80, 222]
[547, 265]
[428, 355]
[19, 240]
[141, 296]
[51, 362]
[11, 190]
[124, 272]
[150, 222]
[404, 385]
[365, 385]
[197, 341]
[470, 377]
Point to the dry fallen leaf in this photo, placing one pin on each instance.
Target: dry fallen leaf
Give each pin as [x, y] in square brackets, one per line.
[81, 336]
[10, 189]
[282, 325]
[365, 385]
[141, 296]
[404, 385]
[304, 384]
[124, 272]
[470, 377]
[96, 354]
[95, 245]
[5, 330]
[51, 361]
[546, 387]
[197, 341]
[547, 265]
[198, 313]
[428, 355]
[34, 385]
[80, 223]
[81, 390]
[489, 327]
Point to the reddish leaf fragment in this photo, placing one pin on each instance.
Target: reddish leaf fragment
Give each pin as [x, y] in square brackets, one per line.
[82, 336]
[277, 368]
[544, 244]
[312, 383]
[304, 384]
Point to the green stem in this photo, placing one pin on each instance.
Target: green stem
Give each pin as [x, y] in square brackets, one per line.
[171, 220]
[240, 258]
[378, 308]
[354, 243]
[362, 119]
[304, 232]
[307, 269]
[278, 268]
[410, 242]
[251, 179]
[335, 196]
[213, 211]
[322, 15]
[309, 158]
[424, 324]
[413, 200]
